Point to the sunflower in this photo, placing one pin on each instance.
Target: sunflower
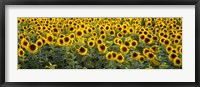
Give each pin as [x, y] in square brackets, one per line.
[61, 35]
[49, 38]
[91, 43]
[135, 55]
[109, 56]
[162, 40]
[102, 32]
[116, 41]
[141, 58]
[174, 51]
[172, 56]
[147, 40]
[120, 58]
[20, 36]
[155, 38]
[67, 39]
[169, 48]
[134, 43]
[43, 41]
[79, 33]
[155, 49]
[150, 56]
[82, 50]
[24, 43]
[124, 49]
[119, 41]
[114, 55]
[142, 37]
[20, 52]
[102, 48]
[32, 48]
[103, 36]
[60, 42]
[55, 30]
[124, 32]
[112, 33]
[127, 43]
[119, 35]
[72, 36]
[167, 42]
[145, 51]
[99, 41]
[39, 43]
[177, 62]
[176, 41]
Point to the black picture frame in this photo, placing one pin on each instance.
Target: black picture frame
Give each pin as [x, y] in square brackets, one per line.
[98, 2]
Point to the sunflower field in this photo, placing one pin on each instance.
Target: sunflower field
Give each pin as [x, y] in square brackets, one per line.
[99, 43]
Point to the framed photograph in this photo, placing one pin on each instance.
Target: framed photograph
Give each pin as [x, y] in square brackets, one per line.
[102, 42]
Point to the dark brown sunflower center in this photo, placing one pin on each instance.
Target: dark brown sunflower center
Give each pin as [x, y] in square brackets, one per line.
[179, 37]
[124, 31]
[147, 40]
[166, 42]
[107, 28]
[146, 51]
[120, 35]
[142, 36]
[111, 32]
[20, 37]
[103, 37]
[173, 56]
[82, 50]
[154, 48]
[149, 36]
[127, 43]
[50, 38]
[82, 26]
[178, 61]
[32, 47]
[39, 43]
[133, 43]
[91, 43]
[114, 54]
[102, 32]
[155, 38]
[72, 36]
[176, 41]
[61, 41]
[79, 33]
[43, 40]
[120, 57]
[131, 30]
[109, 56]
[169, 49]
[99, 41]
[89, 30]
[102, 47]
[66, 39]
[124, 49]
[25, 43]
[55, 30]
[161, 34]
[21, 52]
[120, 42]
[71, 29]
[150, 55]
[134, 54]
[141, 58]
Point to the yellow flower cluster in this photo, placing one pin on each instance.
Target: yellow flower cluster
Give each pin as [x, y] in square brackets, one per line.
[118, 39]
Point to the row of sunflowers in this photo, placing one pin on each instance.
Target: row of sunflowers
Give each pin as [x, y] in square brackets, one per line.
[99, 43]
